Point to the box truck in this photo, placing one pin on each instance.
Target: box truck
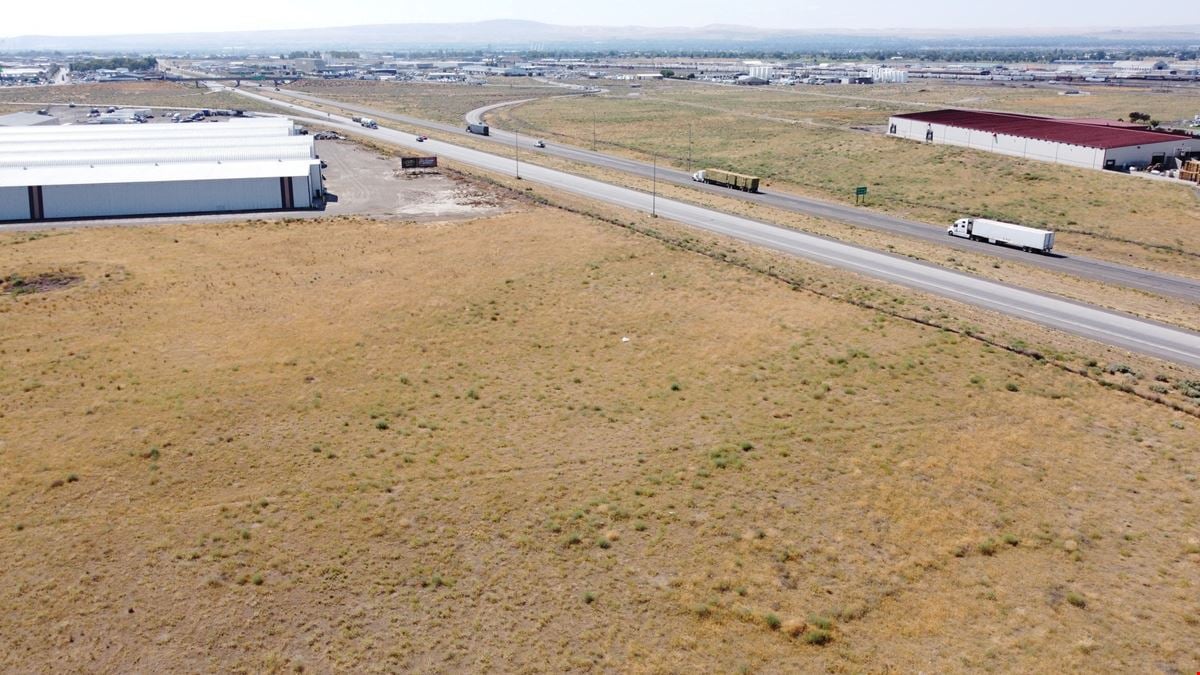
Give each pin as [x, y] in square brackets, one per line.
[727, 179]
[997, 232]
[481, 129]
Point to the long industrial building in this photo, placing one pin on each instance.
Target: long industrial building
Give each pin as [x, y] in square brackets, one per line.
[96, 171]
[1087, 143]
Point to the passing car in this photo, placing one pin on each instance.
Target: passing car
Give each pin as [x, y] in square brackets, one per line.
[540, 144]
[422, 138]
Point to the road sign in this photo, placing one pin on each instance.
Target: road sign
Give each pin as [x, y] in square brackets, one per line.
[860, 194]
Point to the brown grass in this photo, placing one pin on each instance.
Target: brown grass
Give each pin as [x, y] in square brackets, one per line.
[355, 445]
[443, 102]
[154, 93]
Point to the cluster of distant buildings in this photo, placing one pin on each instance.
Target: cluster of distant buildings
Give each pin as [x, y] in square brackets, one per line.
[372, 67]
[854, 72]
[25, 72]
[387, 66]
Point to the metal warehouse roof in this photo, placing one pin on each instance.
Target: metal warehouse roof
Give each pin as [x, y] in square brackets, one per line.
[149, 173]
[1074, 132]
[133, 133]
[181, 129]
[232, 153]
[26, 119]
[91, 145]
[66, 154]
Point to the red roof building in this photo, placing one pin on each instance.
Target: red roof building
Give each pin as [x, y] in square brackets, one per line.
[1084, 142]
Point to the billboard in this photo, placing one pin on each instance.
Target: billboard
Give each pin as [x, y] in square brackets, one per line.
[418, 162]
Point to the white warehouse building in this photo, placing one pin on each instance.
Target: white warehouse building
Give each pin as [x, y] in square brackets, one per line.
[97, 171]
[1087, 143]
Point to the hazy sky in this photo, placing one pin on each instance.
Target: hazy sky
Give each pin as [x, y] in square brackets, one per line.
[96, 17]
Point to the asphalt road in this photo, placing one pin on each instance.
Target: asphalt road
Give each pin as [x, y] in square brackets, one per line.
[1080, 266]
[1119, 330]
[1088, 268]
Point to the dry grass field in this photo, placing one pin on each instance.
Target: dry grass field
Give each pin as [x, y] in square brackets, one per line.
[443, 102]
[814, 141]
[537, 443]
[155, 93]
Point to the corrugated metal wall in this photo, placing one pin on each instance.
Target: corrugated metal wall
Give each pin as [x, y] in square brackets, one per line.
[302, 193]
[14, 203]
[129, 199]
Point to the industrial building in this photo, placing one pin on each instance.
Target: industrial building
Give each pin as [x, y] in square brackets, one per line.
[1087, 143]
[95, 171]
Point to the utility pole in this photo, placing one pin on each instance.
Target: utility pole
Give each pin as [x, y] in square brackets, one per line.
[517, 150]
[689, 148]
[593, 129]
[654, 188]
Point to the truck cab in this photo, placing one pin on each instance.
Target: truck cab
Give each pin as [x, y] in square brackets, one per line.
[961, 228]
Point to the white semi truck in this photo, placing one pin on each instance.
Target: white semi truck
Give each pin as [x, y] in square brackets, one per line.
[997, 232]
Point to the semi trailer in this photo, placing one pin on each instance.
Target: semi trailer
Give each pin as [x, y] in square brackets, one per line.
[729, 179]
[998, 232]
[481, 129]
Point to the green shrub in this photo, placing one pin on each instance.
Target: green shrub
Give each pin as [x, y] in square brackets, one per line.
[817, 636]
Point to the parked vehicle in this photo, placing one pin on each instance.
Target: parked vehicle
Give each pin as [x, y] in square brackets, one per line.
[729, 179]
[481, 129]
[997, 232]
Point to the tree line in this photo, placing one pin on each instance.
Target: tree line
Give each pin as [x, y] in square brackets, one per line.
[130, 62]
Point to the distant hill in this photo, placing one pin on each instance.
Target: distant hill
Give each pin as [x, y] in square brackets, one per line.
[532, 34]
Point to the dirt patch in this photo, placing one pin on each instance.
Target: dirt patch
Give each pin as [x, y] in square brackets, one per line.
[366, 181]
[16, 284]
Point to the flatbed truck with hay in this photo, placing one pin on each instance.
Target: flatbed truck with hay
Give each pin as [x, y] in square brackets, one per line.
[729, 179]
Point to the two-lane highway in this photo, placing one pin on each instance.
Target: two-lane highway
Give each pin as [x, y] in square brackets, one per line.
[1084, 267]
[1081, 266]
[1120, 330]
